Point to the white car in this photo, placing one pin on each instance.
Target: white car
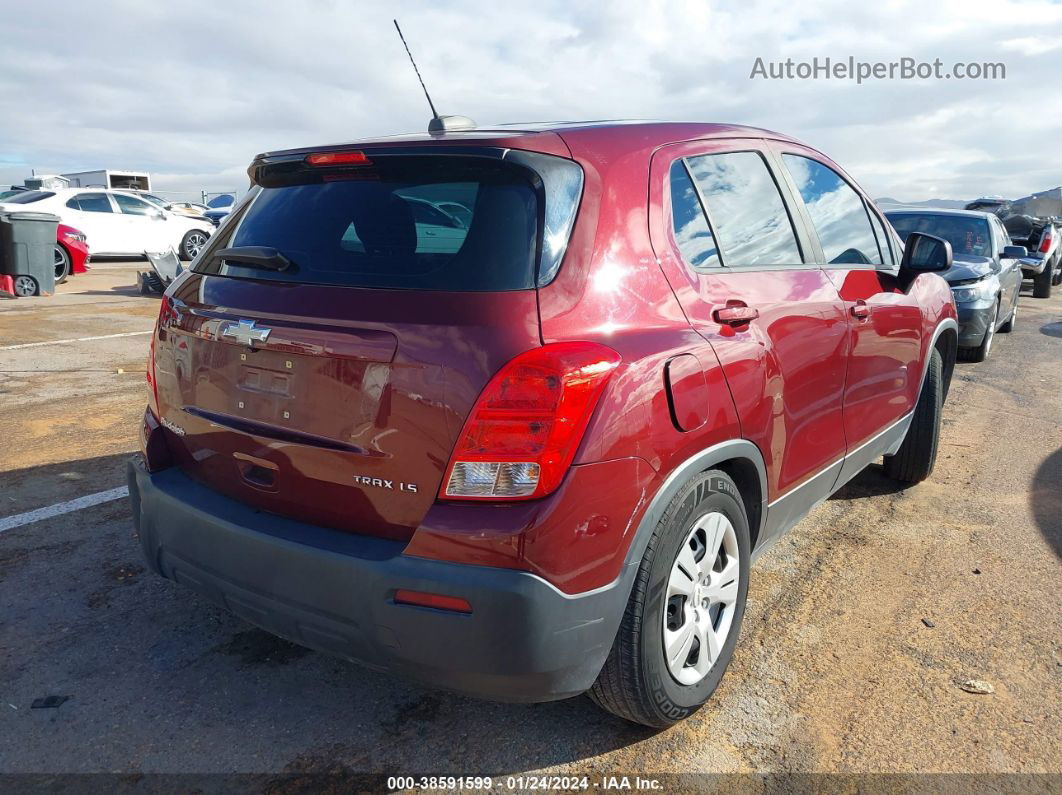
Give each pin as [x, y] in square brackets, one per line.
[117, 223]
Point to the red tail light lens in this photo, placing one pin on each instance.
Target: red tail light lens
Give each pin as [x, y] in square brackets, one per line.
[523, 432]
[165, 314]
[338, 159]
[1045, 244]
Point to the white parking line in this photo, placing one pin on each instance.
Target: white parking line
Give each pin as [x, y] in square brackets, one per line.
[19, 519]
[75, 339]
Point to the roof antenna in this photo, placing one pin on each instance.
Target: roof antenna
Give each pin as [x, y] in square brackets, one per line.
[438, 124]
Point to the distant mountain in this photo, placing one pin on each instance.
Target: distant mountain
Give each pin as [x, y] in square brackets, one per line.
[944, 204]
[1044, 203]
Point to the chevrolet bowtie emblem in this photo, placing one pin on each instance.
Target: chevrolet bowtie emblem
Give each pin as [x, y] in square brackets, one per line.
[246, 333]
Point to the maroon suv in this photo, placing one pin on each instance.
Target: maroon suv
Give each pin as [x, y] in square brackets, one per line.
[511, 411]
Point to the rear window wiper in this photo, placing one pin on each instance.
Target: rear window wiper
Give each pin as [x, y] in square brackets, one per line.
[255, 257]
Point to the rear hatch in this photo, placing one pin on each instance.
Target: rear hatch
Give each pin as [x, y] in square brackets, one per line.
[321, 356]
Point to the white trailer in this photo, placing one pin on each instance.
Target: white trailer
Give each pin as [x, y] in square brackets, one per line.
[110, 178]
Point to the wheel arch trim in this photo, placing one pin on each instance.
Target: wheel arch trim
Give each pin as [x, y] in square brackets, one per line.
[699, 462]
[944, 325]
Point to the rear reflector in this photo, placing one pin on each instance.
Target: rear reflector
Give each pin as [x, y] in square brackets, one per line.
[524, 430]
[338, 159]
[436, 600]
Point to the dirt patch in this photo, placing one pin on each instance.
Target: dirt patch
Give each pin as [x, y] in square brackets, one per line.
[257, 647]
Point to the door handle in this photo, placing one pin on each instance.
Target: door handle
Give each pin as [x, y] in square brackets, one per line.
[735, 315]
[860, 310]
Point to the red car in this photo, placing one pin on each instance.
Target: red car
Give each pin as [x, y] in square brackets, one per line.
[535, 453]
[71, 253]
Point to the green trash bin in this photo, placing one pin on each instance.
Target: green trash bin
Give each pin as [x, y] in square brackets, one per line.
[27, 251]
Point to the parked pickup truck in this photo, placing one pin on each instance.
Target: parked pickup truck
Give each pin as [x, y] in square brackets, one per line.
[1043, 238]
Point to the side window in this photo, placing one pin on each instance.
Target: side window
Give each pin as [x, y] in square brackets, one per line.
[837, 212]
[744, 206]
[130, 205]
[93, 203]
[883, 238]
[1002, 239]
[692, 233]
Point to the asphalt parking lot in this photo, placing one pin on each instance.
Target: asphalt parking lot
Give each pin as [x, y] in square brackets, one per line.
[862, 623]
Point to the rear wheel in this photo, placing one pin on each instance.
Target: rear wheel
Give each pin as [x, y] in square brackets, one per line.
[980, 353]
[62, 264]
[914, 461]
[685, 609]
[1042, 282]
[192, 243]
[26, 286]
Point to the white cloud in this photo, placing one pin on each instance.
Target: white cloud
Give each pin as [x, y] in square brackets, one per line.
[192, 90]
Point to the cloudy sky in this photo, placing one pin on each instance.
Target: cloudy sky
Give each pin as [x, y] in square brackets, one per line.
[191, 90]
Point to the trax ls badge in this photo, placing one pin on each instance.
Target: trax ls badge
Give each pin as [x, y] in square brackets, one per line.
[382, 483]
[246, 333]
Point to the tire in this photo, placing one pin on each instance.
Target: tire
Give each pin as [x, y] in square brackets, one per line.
[26, 286]
[636, 682]
[62, 264]
[914, 461]
[981, 352]
[192, 243]
[1042, 282]
[1008, 327]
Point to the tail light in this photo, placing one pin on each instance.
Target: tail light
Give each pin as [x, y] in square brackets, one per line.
[165, 312]
[1045, 244]
[523, 432]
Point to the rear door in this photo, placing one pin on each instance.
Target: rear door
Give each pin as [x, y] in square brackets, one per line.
[884, 372]
[741, 268]
[332, 390]
[141, 225]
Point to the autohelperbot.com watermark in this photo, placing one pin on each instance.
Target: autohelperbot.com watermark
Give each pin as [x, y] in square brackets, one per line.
[850, 68]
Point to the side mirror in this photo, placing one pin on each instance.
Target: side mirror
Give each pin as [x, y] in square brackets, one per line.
[925, 254]
[158, 215]
[1015, 252]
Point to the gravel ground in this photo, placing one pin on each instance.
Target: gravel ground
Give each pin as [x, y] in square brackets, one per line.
[862, 622]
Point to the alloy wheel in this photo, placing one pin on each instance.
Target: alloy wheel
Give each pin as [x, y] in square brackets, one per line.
[62, 263]
[702, 593]
[194, 244]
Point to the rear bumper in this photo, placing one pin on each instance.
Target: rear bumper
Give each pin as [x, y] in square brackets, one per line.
[1032, 266]
[332, 591]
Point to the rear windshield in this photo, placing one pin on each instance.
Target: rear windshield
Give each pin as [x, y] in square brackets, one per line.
[30, 196]
[435, 223]
[967, 234]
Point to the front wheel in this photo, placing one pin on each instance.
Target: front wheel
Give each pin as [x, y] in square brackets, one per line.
[685, 610]
[914, 461]
[980, 353]
[192, 243]
[1008, 327]
[62, 264]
